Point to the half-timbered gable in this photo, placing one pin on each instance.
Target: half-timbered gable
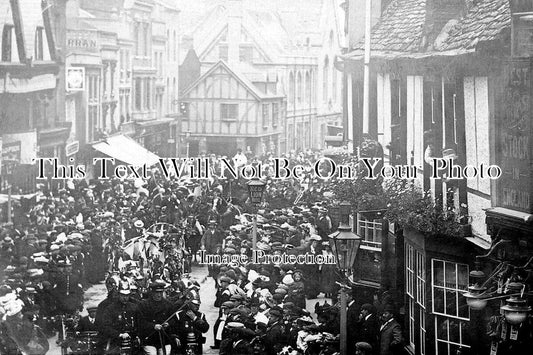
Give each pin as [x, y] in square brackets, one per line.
[225, 111]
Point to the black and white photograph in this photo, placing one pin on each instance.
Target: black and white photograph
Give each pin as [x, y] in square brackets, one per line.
[266, 177]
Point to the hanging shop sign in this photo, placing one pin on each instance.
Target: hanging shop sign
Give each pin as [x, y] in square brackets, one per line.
[72, 148]
[75, 79]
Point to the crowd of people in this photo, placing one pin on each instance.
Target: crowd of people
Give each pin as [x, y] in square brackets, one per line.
[142, 238]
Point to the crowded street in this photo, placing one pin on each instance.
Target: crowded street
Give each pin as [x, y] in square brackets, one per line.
[266, 177]
[82, 260]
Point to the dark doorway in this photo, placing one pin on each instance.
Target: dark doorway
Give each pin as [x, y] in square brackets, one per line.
[222, 146]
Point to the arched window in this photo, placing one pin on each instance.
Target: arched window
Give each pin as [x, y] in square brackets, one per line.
[331, 38]
[308, 87]
[291, 88]
[175, 46]
[168, 45]
[7, 37]
[325, 83]
[299, 88]
[169, 99]
[173, 95]
[334, 84]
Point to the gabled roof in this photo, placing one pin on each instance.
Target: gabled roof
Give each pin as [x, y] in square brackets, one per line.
[239, 77]
[274, 24]
[484, 21]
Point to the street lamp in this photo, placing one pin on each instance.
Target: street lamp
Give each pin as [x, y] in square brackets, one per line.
[188, 138]
[345, 245]
[256, 188]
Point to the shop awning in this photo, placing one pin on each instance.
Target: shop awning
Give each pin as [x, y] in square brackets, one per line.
[22, 86]
[126, 150]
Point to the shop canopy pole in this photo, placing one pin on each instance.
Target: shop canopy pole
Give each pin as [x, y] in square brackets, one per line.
[366, 78]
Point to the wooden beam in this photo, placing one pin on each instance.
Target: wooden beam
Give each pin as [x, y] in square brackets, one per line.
[19, 30]
[48, 30]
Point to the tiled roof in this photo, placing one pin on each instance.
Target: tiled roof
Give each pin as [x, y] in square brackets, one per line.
[400, 28]
[484, 21]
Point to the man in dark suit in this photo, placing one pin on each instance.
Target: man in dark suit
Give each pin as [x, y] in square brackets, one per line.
[87, 323]
[369, 326]
[191, 324]
[391, 339]
[352, 320]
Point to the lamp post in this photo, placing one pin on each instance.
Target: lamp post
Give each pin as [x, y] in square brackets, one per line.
[256, 189]
[345, 245]
[188, 138]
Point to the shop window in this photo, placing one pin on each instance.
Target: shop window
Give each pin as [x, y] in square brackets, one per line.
[229, 112]
[38, 50]
[7, 38]
[451, 335]
[449, 282]
[266, 115]
[415, 281]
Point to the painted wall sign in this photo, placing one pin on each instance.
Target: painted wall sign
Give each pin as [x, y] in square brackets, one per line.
[514, 138]
[82, 40]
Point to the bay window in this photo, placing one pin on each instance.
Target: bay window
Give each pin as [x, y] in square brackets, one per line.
[449, 281]
[415, 283]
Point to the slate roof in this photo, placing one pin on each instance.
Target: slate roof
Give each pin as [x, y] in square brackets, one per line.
[400, 28]
[484, 21]
[399, 33]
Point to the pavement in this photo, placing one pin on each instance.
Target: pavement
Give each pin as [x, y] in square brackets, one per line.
[96, 293]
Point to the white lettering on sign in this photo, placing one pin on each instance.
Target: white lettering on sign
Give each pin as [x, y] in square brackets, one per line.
[516, 147]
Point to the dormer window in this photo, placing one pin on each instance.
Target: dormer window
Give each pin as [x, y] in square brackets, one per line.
[7, 37]
[38, 50]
